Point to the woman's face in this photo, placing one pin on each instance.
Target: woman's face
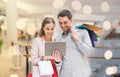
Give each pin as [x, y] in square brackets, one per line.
[49, 30]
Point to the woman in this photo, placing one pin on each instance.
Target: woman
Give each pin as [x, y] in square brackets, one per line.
[38, 47]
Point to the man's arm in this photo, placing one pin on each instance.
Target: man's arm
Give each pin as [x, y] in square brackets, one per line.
[83, 43]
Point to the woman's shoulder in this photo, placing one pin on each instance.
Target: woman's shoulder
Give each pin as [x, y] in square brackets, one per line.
[37, 39]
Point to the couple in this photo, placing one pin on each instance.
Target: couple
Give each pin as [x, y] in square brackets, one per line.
[73, 64]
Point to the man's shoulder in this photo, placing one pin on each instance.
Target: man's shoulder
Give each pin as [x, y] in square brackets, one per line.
[82, 31]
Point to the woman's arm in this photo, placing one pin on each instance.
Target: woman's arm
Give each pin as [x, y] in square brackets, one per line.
[35, 53]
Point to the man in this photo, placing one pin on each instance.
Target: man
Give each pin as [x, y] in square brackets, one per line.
[78, 46]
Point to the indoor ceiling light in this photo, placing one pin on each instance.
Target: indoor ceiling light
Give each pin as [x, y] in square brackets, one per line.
[31, 29]
[107, 25]
[2, 17]
[87, 9]
[105, 7]
[21, 24]
[4, 27]
[108, 54]
[76, 5]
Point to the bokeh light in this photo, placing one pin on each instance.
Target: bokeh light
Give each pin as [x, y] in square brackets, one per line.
[108, 54]
[76, 5]
[106, 25]
[87, 9]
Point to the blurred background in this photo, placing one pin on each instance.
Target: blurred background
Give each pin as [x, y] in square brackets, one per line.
[20, 22]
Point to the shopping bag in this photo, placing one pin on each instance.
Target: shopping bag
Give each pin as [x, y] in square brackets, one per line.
[92, 34]
[55, 74]
[45, 67]
[29, 75]
[94, 28]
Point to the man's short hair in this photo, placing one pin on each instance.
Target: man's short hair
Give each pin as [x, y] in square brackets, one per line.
[64, 13]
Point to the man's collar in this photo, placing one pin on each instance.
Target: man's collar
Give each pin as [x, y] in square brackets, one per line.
[66, 32]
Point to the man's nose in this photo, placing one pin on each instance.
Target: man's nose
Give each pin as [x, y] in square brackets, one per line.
[62, 24]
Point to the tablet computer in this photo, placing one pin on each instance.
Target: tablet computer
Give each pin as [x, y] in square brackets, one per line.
[50, 46]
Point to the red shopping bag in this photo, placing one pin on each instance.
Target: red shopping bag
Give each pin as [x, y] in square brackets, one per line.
[29, 75]
[55, 74]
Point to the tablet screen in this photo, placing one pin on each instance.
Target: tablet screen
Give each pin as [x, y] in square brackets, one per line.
[50, 46]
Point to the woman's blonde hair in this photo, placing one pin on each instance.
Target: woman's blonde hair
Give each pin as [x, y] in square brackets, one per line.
[47, 20]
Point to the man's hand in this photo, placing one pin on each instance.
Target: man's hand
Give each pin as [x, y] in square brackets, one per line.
[74, 35]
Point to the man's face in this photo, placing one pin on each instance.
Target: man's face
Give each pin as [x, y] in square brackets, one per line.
[65, 23]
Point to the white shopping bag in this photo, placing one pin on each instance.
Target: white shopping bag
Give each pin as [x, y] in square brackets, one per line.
[45, 67]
